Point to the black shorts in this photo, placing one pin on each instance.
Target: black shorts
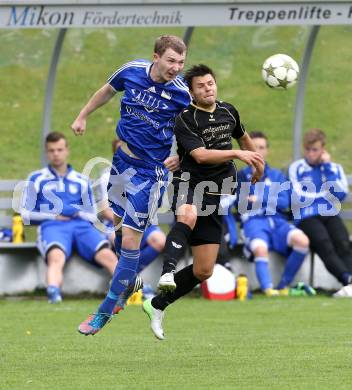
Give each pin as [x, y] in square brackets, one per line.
[208, 228]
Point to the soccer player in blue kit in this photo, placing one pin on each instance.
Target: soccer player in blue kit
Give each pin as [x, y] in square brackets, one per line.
[153, 95]
[60, 201]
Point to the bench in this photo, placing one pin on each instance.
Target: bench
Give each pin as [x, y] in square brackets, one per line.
[17, 261]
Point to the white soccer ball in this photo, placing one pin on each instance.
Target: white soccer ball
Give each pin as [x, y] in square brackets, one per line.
[280, 71]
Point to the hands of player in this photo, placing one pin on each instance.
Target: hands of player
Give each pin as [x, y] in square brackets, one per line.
[79, 126]
[325, 157]
[172, 163]
[258, 170]
[255, 160]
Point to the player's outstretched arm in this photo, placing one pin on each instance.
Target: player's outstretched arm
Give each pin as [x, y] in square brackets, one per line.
[215, 156]
[102, 96]
[212, 156]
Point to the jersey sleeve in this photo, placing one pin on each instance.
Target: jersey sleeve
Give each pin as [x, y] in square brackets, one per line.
[186, 136]
[117, 79]
[239, 129]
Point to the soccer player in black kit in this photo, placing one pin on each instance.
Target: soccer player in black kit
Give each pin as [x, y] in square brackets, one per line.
[204, 132]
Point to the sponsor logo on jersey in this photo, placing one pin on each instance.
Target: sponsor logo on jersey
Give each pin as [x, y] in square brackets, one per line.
[148, 101]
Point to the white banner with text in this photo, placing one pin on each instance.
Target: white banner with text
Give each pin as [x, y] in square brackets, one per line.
[173, 15]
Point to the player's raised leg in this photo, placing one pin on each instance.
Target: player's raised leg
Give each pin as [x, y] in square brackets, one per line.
[186, 279]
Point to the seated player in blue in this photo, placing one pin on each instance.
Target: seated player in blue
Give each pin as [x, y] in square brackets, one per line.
[60, 201]
[154, 238]
[153, 94]
[265, 226]
[319, 185]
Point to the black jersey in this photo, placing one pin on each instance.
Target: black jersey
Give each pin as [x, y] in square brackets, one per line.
[195, 128]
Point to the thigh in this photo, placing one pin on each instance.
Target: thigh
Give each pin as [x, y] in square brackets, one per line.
[180, 192]
[55, 233]
[316, 231]
[88, 240]
[257, 229]
[135, 194]
[208, 230]
[280, 234]
[204, 258]
[336, 228]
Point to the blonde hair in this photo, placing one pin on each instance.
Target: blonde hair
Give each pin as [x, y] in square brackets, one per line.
[169, 42]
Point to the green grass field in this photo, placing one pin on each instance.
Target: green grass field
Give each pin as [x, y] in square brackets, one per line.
[89, 56]
[288, 343]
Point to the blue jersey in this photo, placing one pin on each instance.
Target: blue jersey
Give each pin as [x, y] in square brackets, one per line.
[148, 110]
[316, 189]
[272, 192]
[47, 195]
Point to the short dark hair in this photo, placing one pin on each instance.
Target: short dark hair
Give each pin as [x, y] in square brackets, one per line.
[197, 71]
[259, 134]
[169, 42]
[55, 136]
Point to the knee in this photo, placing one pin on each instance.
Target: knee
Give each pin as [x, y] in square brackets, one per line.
[157, 240]
[56, 257]
[299, 240]
[260, 251]
[131, 239]
[187, 214]
[106, 257]
[203, 273]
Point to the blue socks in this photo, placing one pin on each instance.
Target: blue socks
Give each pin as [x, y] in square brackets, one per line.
[54, 294]
[263, 273]
[124, 274]
[293, 264]
[148, 255]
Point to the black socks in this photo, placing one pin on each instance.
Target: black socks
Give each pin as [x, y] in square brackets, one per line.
[185, 282]
[175, 246]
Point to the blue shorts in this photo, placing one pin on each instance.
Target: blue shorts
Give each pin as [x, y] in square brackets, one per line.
[68, 235]
[273, 231]
[135, 190]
